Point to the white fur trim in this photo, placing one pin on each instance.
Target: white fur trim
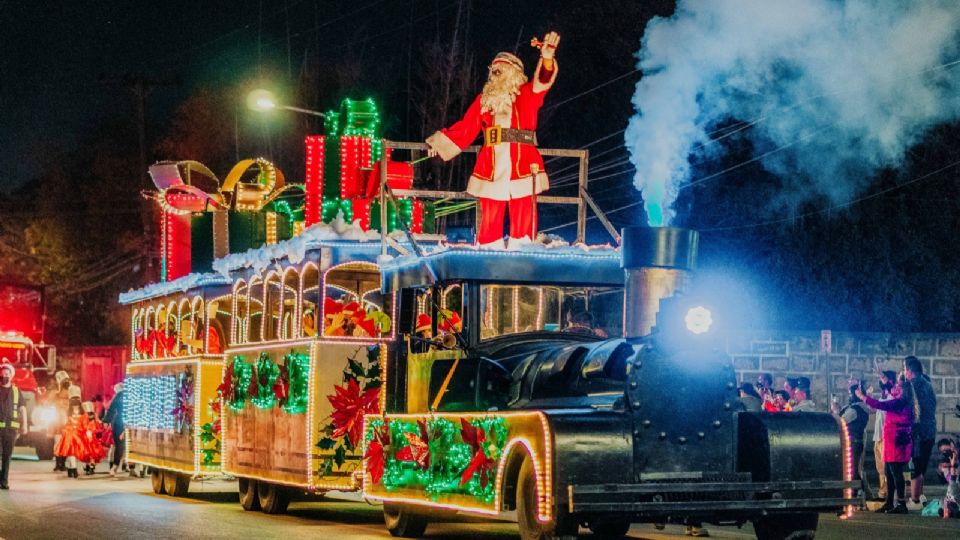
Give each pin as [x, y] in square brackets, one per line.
[443, 145]
[538, 86]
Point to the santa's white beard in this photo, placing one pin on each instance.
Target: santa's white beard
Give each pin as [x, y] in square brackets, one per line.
[500, 92]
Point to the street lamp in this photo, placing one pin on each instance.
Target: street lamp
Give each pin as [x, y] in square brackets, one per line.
[263, 100]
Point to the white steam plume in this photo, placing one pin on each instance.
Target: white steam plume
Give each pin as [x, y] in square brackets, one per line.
[847, 85]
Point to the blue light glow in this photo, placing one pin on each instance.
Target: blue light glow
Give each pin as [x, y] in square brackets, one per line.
[698, 320]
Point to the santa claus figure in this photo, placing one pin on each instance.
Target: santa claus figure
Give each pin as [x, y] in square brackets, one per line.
[509, 172]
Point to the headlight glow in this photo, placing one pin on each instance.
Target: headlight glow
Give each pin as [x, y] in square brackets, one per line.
[698, 320]
[44, 416]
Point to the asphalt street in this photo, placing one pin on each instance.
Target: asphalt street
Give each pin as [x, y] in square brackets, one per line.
[43, 504]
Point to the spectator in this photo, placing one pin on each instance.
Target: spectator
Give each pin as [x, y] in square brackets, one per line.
[801, 396]
[897, 439]
[780, 403]
[789, 386]
[924, 427]
[114, 417]
[857, 416]
[750, 398]
[887, 379]
[765, 386]
[949, 450]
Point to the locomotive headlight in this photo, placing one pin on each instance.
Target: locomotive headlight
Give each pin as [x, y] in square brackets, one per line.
[698, 320]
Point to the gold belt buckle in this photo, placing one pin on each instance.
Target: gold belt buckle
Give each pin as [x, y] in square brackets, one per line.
[494, 135]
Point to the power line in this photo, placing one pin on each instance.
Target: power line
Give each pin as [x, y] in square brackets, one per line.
[838, 206]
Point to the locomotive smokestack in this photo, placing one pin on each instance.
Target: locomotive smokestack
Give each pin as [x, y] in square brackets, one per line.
[657, 262]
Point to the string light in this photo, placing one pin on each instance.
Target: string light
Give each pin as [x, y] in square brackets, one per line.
[314, 179]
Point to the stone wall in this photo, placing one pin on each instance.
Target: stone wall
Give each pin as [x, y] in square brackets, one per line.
[798, 354]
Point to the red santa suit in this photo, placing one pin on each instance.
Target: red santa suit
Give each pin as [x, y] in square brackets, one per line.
[502, 175]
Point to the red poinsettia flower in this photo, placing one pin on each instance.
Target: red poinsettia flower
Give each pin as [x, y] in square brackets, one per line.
[482, 463]
[349, 407]
[418, 447]
[281, 386]
[226, 386]
[376, 454]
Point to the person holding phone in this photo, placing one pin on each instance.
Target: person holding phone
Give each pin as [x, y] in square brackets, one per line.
[900, 411]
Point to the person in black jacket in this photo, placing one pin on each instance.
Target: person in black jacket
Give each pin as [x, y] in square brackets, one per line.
[114, 417]
[856, 415]
[13, 420]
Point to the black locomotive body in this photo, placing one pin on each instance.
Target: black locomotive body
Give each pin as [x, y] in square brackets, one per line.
[646, 427]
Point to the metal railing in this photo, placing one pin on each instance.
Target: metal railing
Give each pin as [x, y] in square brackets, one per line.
[582, 200]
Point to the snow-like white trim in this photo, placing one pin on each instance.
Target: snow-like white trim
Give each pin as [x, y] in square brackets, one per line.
[295, 248]
[181, 284]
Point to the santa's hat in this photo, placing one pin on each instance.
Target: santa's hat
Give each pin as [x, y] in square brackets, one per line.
[73, 391]
[508, 58]
[450, 321]
[331, 307]
[87, 406]
[424, 322]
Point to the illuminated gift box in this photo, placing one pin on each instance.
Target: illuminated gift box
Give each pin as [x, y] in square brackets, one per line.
[419, 215]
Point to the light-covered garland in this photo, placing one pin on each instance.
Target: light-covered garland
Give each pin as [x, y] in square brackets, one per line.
[439, 456]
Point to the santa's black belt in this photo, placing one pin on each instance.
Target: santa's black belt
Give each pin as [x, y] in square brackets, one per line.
[496, 135]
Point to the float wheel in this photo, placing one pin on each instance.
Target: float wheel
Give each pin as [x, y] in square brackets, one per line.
[175, 484]
[273, 498]
[402, 522]
[248, 494]
[562, 528]
[156, 481]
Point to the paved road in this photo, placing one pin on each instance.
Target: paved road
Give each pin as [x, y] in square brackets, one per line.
[43, 504]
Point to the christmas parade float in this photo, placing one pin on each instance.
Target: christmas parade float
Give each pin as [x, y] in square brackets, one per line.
[320, 338]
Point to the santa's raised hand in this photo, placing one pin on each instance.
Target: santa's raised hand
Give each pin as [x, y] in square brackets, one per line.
[549, 45]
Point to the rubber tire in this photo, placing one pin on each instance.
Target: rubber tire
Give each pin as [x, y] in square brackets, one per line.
[248, 494]
[787, 527]
[273, 498]
[401, 522]
[156, 481]
[610, 528]
[45, 449]
[562, 528]
[175, 484]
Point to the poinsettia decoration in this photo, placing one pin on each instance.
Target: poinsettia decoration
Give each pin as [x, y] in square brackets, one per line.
[210, 433]
[485, 452]
[438, 455]
[350, 404]
[418, 447]
[183, 408]
[265, 374]
[377, 449]
[359, 395]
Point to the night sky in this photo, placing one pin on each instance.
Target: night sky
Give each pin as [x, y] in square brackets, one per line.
[62, 61]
